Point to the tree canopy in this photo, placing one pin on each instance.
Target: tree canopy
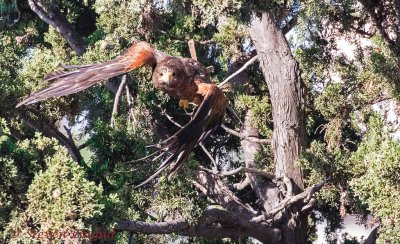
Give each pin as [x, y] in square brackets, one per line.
[318, 139]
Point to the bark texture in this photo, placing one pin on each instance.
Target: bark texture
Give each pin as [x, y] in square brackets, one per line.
[287, 91]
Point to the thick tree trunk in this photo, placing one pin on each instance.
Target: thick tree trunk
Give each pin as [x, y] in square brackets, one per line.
[287, 93]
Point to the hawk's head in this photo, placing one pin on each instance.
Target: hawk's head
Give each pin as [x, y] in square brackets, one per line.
[168, 77]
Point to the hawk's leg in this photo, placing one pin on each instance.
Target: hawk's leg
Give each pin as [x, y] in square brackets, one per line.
[184, 104]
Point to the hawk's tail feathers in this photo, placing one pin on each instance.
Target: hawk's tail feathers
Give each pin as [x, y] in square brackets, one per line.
[205, 121]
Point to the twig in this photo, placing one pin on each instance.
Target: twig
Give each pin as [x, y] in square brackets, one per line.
[208, 154]
[244, 137]
[252, 60]
[267, 175]
[116, 100]
[169, 117]
[130, 100]
[289, 201]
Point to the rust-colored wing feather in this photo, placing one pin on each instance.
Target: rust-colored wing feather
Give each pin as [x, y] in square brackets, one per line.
[77, 78]
[206, 120]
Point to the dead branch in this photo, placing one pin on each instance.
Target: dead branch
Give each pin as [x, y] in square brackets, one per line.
[248, 63]
[244, 137]
[208, 154]
[69, 134]
[169, 117]
[50, 131]
[83, 145]
[241, 169]
[131, 102]
[116, 100]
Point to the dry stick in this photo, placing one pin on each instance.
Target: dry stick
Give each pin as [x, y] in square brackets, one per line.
[252, 60]
[130, 100]
[208, 154]
[244, 137]
[116, 100]
[267, 175]
[169, 117]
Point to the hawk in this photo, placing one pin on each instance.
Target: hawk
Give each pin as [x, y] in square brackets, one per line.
[183, 78]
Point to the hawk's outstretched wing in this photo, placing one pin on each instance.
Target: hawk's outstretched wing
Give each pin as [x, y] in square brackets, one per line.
[205, 121]
[77, 78]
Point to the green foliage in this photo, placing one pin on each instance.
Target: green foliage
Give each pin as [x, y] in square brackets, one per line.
[42, 188]
[121, 32]
[231, 35]
[62, 195]
[59, 199]
[260, 116]
[377, 167]
[20, 162]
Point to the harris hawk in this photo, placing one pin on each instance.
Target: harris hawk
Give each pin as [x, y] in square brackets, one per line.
[182, 78]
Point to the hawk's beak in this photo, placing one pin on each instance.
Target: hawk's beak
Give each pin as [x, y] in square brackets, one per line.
[167, 77]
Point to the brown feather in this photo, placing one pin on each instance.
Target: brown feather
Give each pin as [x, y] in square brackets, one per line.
[190, 81]
[77, 78]
[205, 121]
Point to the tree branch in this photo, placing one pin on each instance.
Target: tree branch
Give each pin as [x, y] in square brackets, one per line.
[241, 185]
[248, 63]
[244, 137]
[378, 23]
[52, 16]
[50, 131]
[192, 49]
[241, 169]
[305, 195]
[116, 100]
[216, 223]
[208, 154]
[217, 191]
[287, 91]
[130, 100]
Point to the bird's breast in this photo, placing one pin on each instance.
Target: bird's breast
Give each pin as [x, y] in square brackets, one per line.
[186, 90]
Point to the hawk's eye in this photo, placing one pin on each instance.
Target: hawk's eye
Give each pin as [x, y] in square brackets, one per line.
[160, 74]
[173, 73]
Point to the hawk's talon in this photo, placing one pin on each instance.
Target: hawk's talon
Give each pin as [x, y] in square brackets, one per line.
[184, 104]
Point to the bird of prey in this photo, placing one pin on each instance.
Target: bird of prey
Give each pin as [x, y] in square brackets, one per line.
[183, 78]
